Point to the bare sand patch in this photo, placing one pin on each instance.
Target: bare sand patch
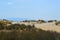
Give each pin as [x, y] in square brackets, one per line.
[44, 26]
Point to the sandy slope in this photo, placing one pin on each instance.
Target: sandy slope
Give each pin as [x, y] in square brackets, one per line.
[48, 26]
[45, 26]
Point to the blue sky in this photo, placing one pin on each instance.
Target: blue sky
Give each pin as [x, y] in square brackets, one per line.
[32, 9]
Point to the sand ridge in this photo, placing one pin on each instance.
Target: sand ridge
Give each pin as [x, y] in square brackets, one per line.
[45, 26]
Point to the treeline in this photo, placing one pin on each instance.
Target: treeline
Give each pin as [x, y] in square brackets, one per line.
[44, 21]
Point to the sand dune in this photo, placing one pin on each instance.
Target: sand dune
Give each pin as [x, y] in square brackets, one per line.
[45, 26]
[48, 26]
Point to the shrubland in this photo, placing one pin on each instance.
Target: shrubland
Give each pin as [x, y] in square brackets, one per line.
[25, 32]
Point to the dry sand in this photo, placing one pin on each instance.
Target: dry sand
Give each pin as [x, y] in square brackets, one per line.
[48, 26]
[45, 26]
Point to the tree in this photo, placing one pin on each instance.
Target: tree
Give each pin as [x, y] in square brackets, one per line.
[41, 21]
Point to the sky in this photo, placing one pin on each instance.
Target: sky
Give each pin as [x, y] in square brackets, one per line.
[32, 9]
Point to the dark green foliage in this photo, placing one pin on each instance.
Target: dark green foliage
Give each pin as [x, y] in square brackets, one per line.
[29, 21]
[41, 21]
[52, 21]
[22, 26]
[7, 26]
[13, 27]
[1, 26]
[57, 23]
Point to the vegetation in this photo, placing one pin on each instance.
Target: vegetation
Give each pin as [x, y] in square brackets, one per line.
[25, 32]
[29, 21]
[52, 21]
[57, 23]
[29, 35]
[41, 21]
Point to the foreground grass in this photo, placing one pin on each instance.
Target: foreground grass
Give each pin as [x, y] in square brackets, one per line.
[29, 35]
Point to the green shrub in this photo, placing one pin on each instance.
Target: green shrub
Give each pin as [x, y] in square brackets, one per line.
[57, 23]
